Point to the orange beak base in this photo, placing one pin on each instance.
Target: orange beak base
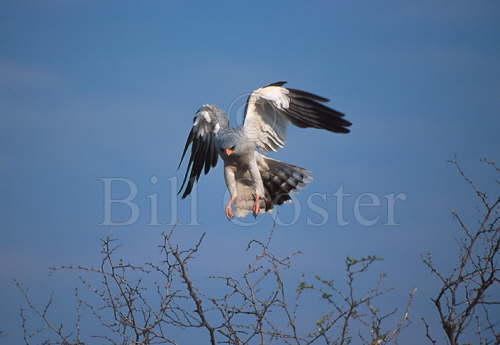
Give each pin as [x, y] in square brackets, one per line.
[229, 152]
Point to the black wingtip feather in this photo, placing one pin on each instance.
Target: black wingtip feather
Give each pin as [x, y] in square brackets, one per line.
[306, 94]
[277, 83]
[203, 157]
[306, 111]
[188, 141]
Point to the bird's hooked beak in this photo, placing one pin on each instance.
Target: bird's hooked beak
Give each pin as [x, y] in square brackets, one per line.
[228, 152]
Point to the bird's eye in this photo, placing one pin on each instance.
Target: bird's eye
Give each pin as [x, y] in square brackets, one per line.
[232, 148]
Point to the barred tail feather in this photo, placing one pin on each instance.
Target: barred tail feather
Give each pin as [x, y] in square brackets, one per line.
[280, 179]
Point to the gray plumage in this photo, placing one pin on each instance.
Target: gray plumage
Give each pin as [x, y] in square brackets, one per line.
[256, 183]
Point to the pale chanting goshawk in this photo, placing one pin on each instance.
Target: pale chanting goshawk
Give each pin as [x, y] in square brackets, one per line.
[255, 182]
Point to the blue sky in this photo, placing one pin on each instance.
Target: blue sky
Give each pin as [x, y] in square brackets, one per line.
[92, 90]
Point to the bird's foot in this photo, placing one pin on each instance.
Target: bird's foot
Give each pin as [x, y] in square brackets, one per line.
[229, 212]
[256, 206]
[228, 209]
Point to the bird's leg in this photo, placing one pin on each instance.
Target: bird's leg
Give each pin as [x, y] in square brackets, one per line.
[258, 185]
[228, 209]
[230, 178]
[256, 206]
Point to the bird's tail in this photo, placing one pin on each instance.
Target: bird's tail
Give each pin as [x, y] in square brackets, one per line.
[280, 180]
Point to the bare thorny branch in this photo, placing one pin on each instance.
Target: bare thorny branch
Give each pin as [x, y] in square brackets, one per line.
[255, 308]
[465, 292]
[351, 309]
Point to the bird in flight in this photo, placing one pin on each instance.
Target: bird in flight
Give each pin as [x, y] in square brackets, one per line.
[256, 183]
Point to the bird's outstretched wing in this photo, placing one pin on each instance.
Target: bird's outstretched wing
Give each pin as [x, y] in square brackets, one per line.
[270, 109]
[207, 123]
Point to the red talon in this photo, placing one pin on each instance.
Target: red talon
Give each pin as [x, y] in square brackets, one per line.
[228, 210]
[256, 206]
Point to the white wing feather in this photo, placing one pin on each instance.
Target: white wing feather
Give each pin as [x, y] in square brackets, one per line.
[264, 121]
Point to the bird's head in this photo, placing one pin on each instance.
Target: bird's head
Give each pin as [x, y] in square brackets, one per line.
[229, 144]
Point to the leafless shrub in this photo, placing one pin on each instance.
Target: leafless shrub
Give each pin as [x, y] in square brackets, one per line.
[352, 306]
[464, 302]
[267, 307]
[255, 308]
